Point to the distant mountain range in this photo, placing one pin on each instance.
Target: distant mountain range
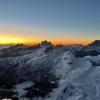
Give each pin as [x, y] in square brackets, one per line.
[5, 46]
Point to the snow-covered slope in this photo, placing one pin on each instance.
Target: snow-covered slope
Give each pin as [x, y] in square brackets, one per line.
[77, 78]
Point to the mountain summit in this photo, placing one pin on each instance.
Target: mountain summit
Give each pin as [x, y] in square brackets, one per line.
[46, 44]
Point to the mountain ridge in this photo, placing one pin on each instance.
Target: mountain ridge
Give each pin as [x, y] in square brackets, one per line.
[58, 67]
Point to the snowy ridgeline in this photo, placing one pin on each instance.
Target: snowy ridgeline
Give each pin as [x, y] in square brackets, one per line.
[53, 74]
[4, 46]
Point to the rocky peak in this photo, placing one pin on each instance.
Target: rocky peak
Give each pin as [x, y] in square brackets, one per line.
[46, 44]
[95, 43]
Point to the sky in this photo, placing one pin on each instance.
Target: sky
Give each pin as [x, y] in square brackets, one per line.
[58, 21]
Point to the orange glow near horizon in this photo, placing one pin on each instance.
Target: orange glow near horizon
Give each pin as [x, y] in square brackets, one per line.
[67, 40]
[15, 34]
[12, 40]
[71, 41]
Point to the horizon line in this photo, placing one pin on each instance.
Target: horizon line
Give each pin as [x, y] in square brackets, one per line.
[35, 43]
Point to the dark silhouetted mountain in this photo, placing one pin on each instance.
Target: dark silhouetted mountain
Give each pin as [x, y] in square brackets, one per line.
[92, 49]
[95, 43]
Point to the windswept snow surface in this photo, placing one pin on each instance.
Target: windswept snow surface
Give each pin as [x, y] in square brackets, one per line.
[20, 88]
[79, 78]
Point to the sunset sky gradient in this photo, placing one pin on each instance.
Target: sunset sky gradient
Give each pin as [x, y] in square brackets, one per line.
[58, 21]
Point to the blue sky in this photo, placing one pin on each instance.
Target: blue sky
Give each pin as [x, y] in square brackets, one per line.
[58, 18]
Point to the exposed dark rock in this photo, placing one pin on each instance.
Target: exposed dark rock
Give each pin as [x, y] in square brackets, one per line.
[83, 53]
[92, 49]
[95, 43]
[41, 89]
